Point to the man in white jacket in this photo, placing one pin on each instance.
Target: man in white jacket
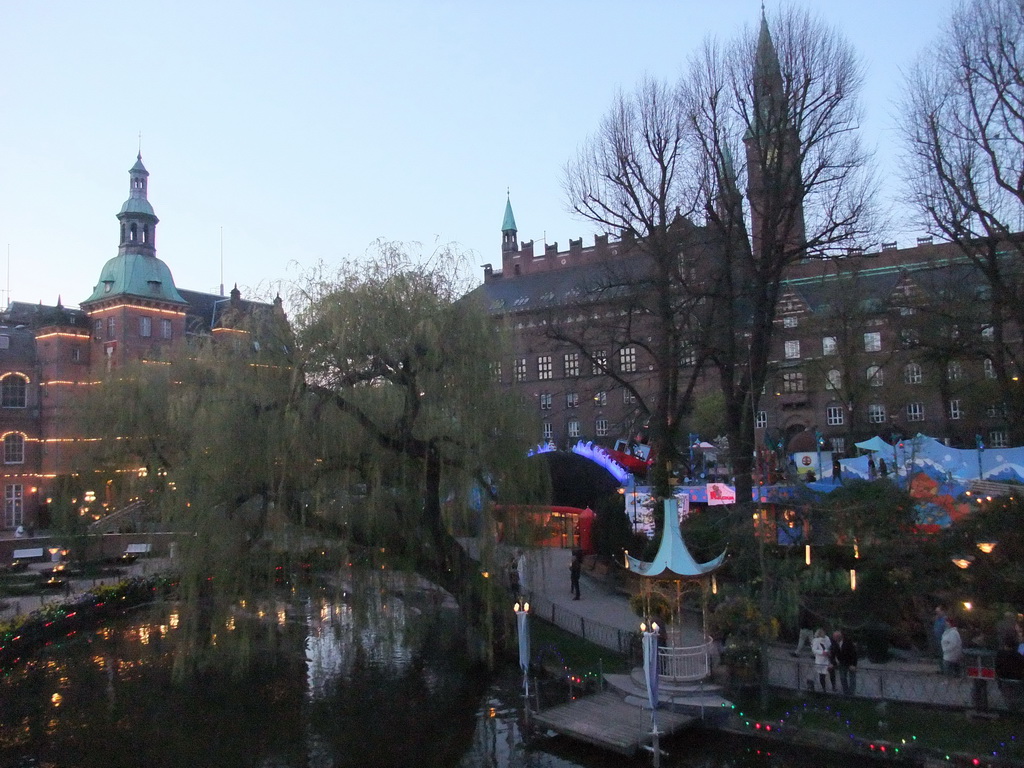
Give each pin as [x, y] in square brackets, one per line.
[952, 649]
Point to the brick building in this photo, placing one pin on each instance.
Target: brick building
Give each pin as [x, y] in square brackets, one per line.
[50, 356]
[893, 342]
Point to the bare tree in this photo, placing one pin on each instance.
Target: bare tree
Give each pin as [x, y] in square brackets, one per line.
[757, 150]
[631, 178]
[963, 132]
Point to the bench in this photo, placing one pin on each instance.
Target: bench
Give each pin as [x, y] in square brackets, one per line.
[132, 552]
[27, 554]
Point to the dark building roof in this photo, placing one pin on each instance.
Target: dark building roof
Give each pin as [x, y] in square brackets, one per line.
[21, 313]
[207, 311]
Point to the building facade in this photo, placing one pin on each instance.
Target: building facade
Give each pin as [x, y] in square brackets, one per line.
[50, 356]
[893, 342]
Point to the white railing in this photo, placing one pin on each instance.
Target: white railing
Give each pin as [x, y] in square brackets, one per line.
[685, 664]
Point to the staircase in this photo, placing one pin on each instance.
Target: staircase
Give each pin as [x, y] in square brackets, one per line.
[131, 513]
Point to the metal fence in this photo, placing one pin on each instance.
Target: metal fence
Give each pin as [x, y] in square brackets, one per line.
[606, 636]
[920, 683]
[684, 664]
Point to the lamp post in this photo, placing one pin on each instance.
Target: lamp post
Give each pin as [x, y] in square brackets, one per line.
[649, 640]
[819, 442]
[522, 609]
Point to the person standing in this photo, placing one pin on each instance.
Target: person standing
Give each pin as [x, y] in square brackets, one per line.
[821, 647]
[938, 627]
[844, 659]
[883, 470]
[871, 468]
[574, 575]
[952, 649]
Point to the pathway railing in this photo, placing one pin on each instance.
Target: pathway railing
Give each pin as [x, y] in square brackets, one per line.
[686, 664]
[920, 683]
[597, 632]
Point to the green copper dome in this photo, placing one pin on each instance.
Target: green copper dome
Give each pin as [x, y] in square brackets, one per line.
[136, 274]
[138, 205]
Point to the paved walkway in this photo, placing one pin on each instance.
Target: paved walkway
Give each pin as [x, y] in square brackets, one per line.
[13, 606]
[548, 577]
[914, 679]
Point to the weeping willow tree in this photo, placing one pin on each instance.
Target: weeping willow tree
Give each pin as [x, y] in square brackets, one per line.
[397, 374]
[363, 429]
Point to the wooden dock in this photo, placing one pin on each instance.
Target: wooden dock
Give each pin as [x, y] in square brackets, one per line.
[606, 720]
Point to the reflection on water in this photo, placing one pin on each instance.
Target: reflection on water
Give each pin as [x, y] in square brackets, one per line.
[378, 683]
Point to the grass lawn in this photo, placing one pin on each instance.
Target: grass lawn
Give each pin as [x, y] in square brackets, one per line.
[908, 726]
[555, 647]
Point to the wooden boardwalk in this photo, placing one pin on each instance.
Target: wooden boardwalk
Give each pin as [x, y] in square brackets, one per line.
[606, 720]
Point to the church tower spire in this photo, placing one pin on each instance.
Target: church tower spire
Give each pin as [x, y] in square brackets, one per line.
[138, 220]
[775, 186]
[509, 233]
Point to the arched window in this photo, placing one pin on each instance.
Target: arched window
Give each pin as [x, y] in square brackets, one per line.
[14, 448]
[13, 391]
[912, 373]
[834, 380]
[132, 233]
[875, 376]
[122, 232]
[145, 233]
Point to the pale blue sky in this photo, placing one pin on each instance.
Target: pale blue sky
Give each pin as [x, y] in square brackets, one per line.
[308, 129]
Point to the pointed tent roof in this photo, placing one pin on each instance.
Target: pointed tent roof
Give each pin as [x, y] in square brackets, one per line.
[874, 444]
[673, 560]
[509, 223]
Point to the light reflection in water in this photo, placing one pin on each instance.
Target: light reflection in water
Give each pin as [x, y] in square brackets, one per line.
[310, 710]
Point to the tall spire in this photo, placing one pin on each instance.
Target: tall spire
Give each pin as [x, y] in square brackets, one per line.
[769, 90]
[509, 233]
[774, 185]
[138, 220]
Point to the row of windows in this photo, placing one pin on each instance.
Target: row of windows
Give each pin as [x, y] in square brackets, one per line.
[572, 428]
[570, 365]
[835, 415]
[872, 342]
[572, 399]
[145, 327]
[830, 346]
[913, 373]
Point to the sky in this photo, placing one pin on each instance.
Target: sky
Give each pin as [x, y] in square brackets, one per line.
[281, 135]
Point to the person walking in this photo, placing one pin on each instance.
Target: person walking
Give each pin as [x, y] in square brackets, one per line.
[574, 575]
[952, 649]
[821, 647]
[844, 659]
[939, 625]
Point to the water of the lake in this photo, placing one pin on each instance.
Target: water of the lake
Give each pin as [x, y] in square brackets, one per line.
[344, 686]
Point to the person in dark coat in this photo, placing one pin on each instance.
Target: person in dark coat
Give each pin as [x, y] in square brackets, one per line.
[574, 574]
[1010, 674]
[844, 659]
